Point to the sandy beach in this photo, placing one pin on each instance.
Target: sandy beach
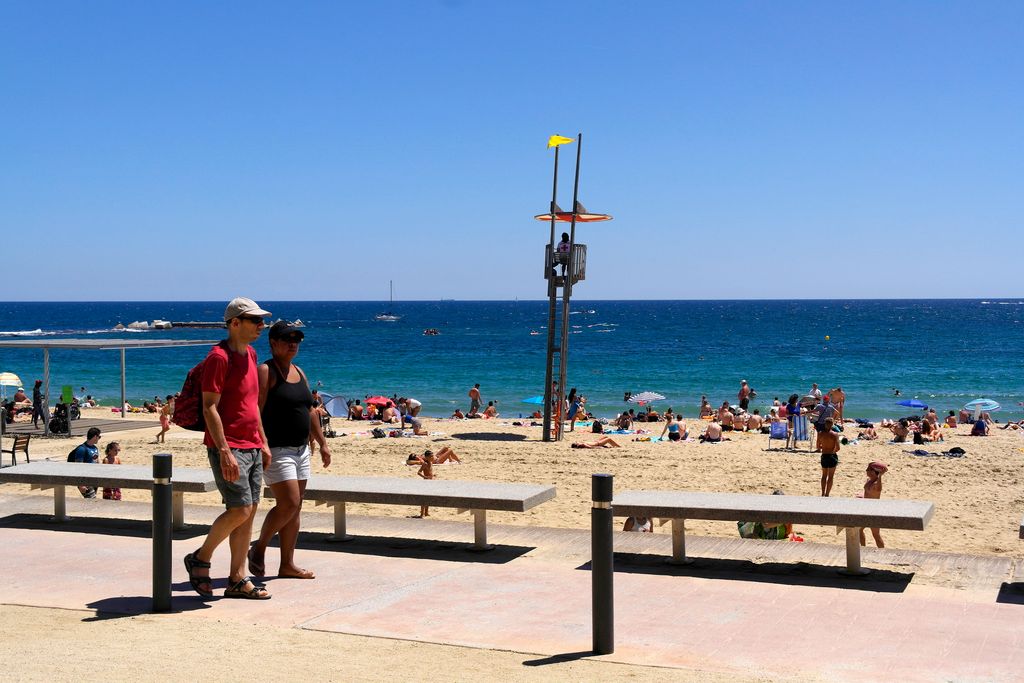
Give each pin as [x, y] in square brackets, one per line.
[978, 503]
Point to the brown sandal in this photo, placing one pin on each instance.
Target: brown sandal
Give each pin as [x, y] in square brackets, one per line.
[257, 592]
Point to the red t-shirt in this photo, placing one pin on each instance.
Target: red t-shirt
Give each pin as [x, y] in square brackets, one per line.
[233, 376]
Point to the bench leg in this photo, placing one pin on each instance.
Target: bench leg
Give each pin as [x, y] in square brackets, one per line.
[679, 543]
[853, 553]
[339, 524]
[178, 510]
[60, 509]
[480, 530]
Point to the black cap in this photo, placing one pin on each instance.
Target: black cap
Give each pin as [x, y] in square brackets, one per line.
[283, 328]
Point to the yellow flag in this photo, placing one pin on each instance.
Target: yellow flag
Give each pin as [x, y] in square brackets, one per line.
[556, 140]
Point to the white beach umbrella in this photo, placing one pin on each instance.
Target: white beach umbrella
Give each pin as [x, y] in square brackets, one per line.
[980, 405]
[8, 379]
[645, 397]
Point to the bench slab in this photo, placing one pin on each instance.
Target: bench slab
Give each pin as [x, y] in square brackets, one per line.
[912, 515]
[46, 473]
[469, 495]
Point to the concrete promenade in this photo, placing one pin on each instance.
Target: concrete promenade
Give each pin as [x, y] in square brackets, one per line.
[775, 610]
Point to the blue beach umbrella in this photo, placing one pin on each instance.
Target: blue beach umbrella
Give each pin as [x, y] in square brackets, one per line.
[537, 400]
[912, 403]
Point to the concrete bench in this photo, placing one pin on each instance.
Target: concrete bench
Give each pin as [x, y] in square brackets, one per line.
[58, 475]
[852, 513]
[476, 497]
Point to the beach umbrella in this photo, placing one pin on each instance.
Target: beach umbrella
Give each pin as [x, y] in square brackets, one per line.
[380, 401]
[645, 397]
[8, 379]
[912, 403]
[536, 400]
[981, 405]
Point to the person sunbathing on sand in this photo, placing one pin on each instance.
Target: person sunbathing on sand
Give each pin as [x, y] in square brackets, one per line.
[900, 430]
[869, 434]
[603, 442]
[713, 432]
[446, 454]
[951, 419]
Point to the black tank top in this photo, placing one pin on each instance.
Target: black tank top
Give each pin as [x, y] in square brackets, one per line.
[286, 411]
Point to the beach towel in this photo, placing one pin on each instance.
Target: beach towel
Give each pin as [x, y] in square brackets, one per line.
[932, 454]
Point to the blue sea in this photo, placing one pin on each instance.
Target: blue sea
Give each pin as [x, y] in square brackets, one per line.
[942, 352]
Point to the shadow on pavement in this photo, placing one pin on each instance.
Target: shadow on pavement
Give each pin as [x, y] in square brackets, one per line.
[558, 659]
[136, 605]
[785, 573]
[136, 528]
[413, 548]
[1011, 594]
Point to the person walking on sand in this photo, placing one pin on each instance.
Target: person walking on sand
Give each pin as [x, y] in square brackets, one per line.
[236, 447]
[426, 471]
[838, 397]
[828, 446]
[166, 411]
[291, 422]
[873, 489]
[474, 399]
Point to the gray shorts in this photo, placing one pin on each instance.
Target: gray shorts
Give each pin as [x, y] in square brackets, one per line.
[287, 463]
[245, 490]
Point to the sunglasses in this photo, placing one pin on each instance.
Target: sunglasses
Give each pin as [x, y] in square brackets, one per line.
[292, 339]
[255, 320]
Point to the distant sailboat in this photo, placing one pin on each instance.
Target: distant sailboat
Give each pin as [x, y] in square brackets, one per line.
[387, 316]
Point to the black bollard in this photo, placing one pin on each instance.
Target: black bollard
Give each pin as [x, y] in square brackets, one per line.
[162, 495]
[602, 567]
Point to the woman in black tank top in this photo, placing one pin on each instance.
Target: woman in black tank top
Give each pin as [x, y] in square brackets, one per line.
[291, 426]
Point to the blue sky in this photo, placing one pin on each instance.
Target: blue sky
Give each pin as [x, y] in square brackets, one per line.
[316, 150]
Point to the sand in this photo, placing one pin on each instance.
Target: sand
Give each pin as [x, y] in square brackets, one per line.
[978, 498]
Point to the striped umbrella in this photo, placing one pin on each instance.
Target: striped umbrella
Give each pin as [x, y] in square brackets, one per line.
[645, 397]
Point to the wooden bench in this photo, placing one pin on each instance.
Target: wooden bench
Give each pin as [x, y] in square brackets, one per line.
[19, 442]
[58, 475]
[852, 513]
[476, 497]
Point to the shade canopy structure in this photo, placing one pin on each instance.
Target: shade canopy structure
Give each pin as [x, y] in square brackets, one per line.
[912, 403]
[379, 401]
[95, 345]
[582, 215]
[645, 397]
[534, 400]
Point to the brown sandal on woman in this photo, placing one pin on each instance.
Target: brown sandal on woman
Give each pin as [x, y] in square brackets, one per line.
[256, 592]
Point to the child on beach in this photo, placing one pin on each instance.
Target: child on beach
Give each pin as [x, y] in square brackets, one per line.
[426, 471]
[165, 419]
[873, 489]
[828, 446]
[427, 462]
[110, 458]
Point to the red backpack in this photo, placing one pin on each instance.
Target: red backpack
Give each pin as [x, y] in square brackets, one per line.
[188, 407]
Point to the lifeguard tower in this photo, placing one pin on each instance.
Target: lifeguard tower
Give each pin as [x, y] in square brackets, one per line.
[562, 270]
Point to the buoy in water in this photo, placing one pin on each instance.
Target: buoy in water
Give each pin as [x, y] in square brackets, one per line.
[827, 337]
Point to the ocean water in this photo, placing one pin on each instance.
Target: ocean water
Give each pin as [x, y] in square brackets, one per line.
[943, 352]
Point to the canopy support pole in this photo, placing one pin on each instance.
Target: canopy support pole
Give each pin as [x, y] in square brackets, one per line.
[122, 384]
[46, 392]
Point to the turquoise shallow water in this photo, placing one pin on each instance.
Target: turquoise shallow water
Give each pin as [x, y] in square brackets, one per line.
[944, 352]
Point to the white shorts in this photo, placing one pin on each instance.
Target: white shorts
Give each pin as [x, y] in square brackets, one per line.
[287, 463]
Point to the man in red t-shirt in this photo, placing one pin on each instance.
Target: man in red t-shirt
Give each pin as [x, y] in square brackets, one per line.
[236, 447]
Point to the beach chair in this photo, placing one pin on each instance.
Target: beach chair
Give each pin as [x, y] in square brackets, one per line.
[801, 432]
[779, 431]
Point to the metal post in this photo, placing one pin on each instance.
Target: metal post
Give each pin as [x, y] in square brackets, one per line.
[162, 514]
[546, 429]
[602, 568]
[122, 387]
[46, 395]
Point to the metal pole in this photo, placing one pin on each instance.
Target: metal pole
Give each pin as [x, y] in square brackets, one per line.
[602, 567]
[563, 357]
[46, 395]
[122, 382]
[546, 429]
[162, 514]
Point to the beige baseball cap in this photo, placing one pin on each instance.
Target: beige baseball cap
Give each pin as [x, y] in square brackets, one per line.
[242, 306]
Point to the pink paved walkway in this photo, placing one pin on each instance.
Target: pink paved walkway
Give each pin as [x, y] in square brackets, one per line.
[533, 601]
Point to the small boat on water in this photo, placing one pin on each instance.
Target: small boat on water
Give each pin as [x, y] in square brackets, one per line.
[431, 332]
[387, 316]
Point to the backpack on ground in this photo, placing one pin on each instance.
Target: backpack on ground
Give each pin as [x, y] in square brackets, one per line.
[188, 407]
[378, 433]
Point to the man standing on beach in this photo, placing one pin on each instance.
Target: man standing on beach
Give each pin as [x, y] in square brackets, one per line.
[474, 399]
[744, 394]
[815, 393]
[236, 447]
[38, 410]
[838, 397]
[822, 413]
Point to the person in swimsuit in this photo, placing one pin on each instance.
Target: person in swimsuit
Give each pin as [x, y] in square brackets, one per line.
[165, 419]
[672, 427]
[603, 442]
[713, 432]
[873, 489]
[828, 446]
[110, 458]
[640, 524]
